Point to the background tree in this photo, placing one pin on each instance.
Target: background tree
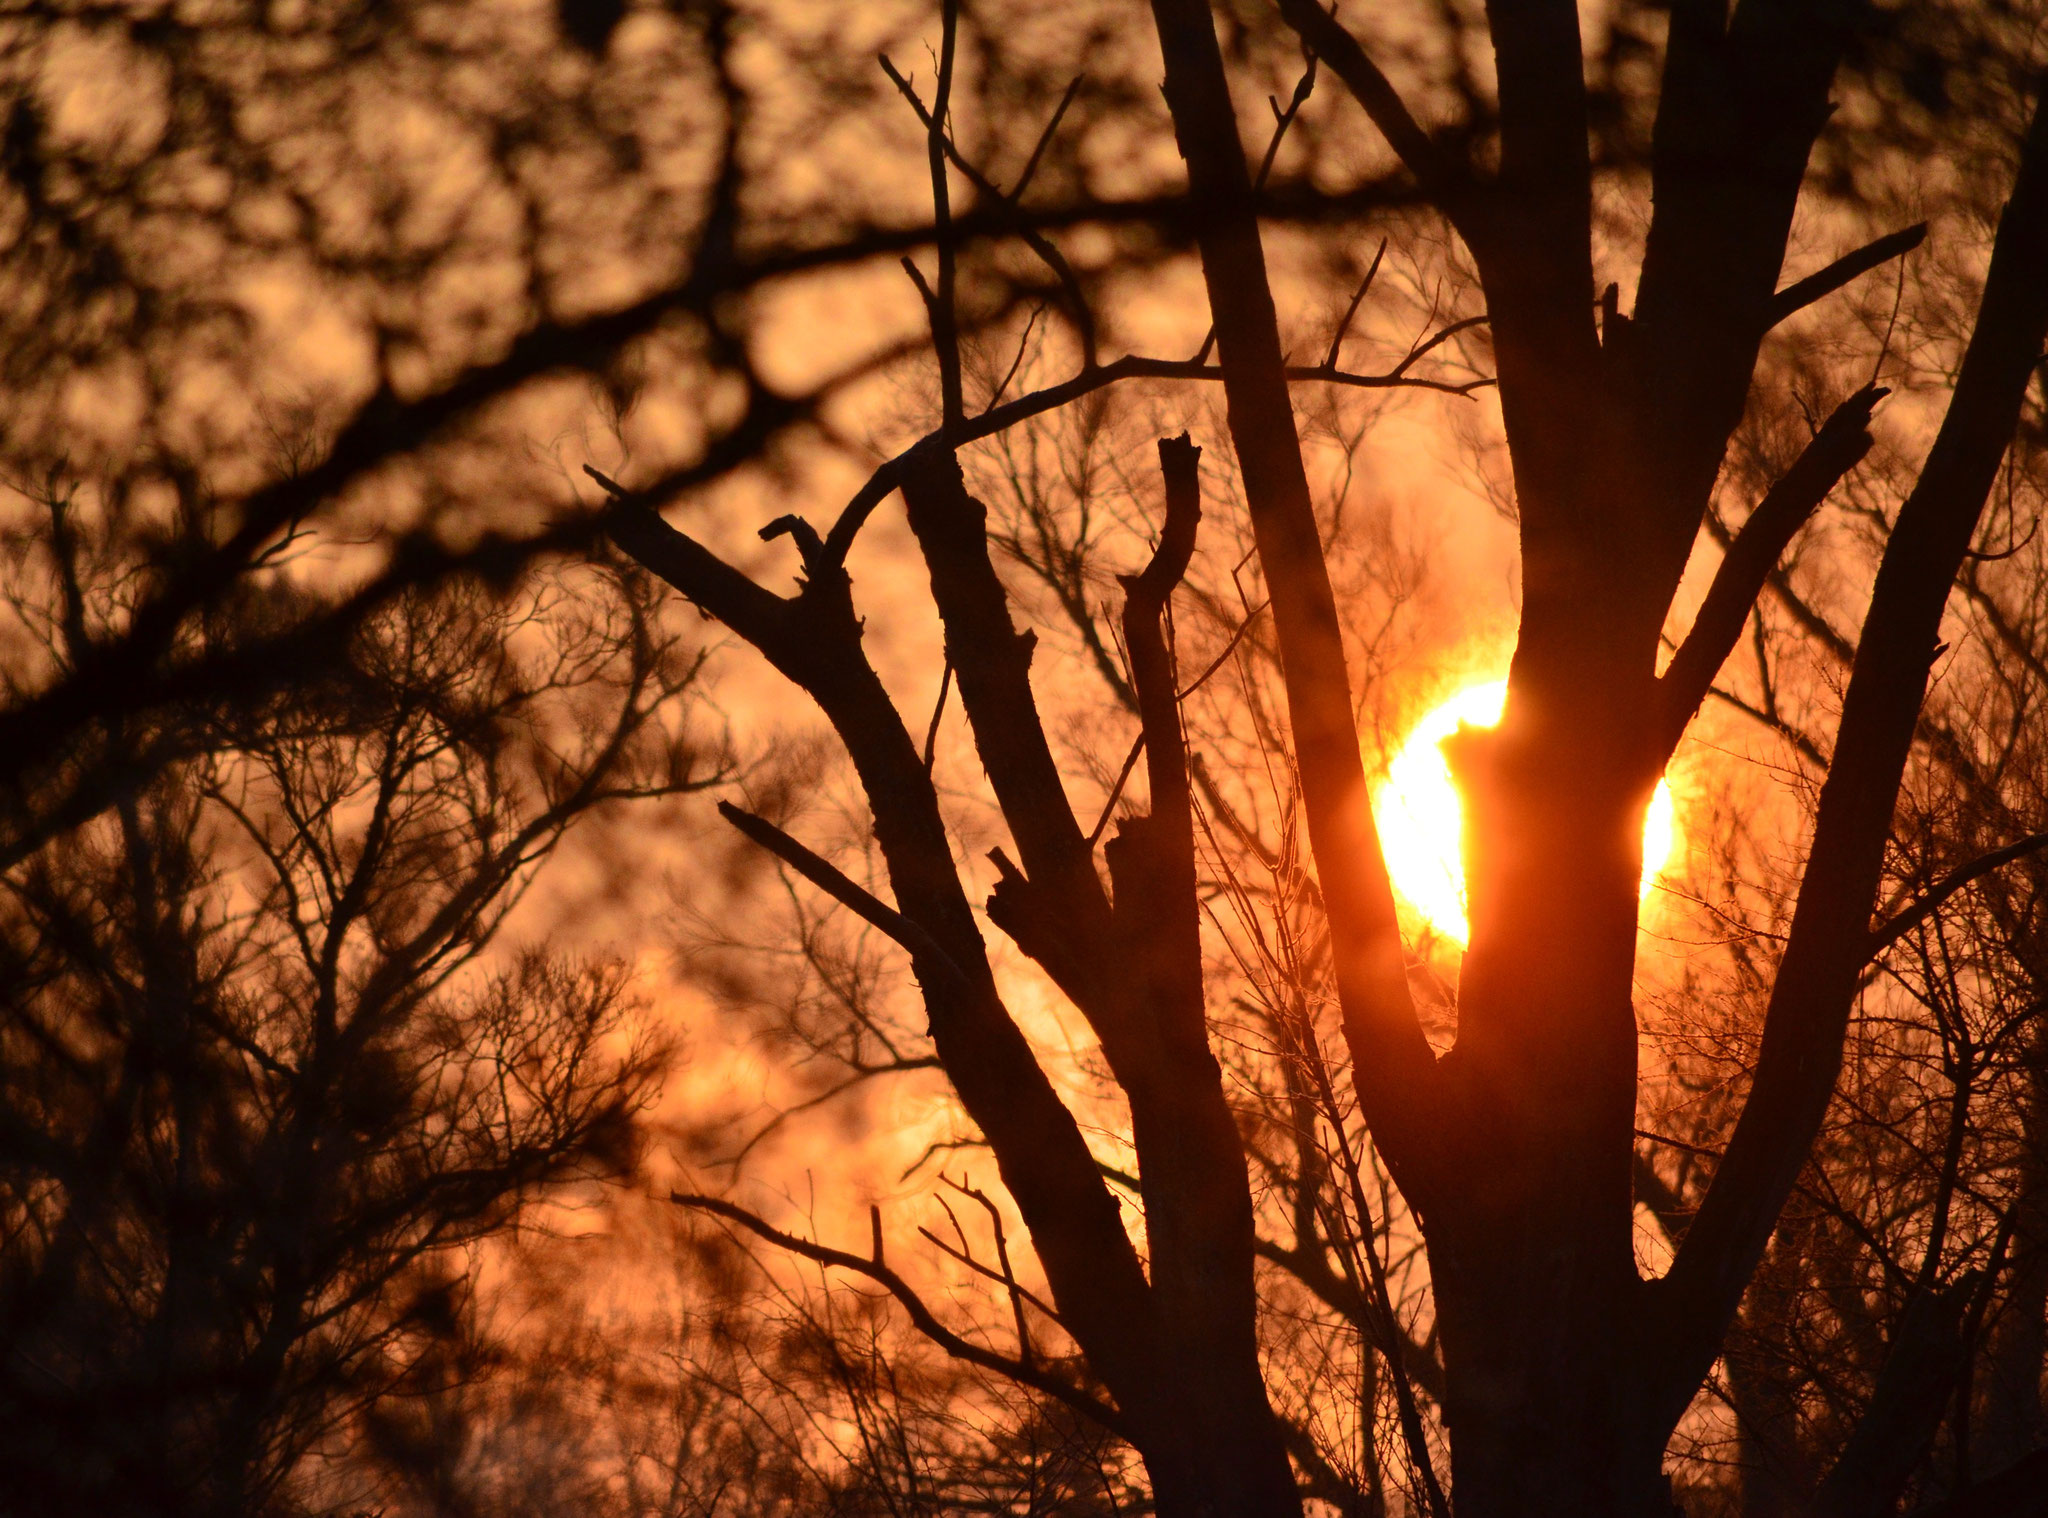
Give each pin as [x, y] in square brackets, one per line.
[271, 1085]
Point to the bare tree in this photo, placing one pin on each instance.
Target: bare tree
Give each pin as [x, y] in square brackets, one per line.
[271, 1081]
[477, 212]
[1564, 1371]
[1888, 1343]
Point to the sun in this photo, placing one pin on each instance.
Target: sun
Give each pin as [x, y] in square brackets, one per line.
[1419, 813]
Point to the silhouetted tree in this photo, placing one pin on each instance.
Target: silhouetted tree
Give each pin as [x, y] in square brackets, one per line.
[1564, 1370]
[456, 205]
[271, 1080]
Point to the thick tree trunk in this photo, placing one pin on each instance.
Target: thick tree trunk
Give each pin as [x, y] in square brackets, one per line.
[1227, 1459]
[1540, 1308]
[1542, 1370]
[1565, 1441]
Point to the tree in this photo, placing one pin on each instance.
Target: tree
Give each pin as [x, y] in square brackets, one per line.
[295, 294]
[273, 1080]
[1565, 1372]
[475, 213]
[317, 282]
[1890, 1340]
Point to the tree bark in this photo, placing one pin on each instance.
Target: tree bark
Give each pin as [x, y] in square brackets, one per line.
[1543, 1383]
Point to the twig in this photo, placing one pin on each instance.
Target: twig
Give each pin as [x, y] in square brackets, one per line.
[939, 302]
[931, 733]
[1909, 918]
[1044, 141]
[1228, 649]
[1036, 241]
[1282, 120]
[1357, 296]
[1018, 1294]
[924, 949]
[988, 1273]
[1023, 347]
[1444, 335]
[920, 1313]
[1116, 791]
[1132, 366]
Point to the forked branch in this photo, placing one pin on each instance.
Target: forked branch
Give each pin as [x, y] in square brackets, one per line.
[1145, 600]
[814, 639]
[1048, 252]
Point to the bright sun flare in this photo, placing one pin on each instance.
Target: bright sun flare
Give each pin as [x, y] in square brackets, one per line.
[1419, 813]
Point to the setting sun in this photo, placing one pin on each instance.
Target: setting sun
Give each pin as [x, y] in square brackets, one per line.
[1419, 813]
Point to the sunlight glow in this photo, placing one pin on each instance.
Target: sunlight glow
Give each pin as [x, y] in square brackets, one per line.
[1419, 814]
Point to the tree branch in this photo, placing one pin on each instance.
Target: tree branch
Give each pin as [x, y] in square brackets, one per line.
[923, 948]
[886, 478]
[1802, 293]
[991, 662]
[1152, 860]
[1441, 178]
[1744, 95]
[1047, 251]
[1392, 1061]
[815, 640]
[2018, 1491]
[1145, 599]
[760, 616]
[1034, 1376]
[1904, 1412]
[1746, 567]
[1907, 919]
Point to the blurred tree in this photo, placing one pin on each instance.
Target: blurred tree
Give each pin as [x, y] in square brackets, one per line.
[319, 274]
[271, 1083]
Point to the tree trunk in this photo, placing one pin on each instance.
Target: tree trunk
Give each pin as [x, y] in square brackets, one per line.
[1542, 1390]
[1207, 1432]
[1218, 1446]
[1226, 1460]
[1540, 1308]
